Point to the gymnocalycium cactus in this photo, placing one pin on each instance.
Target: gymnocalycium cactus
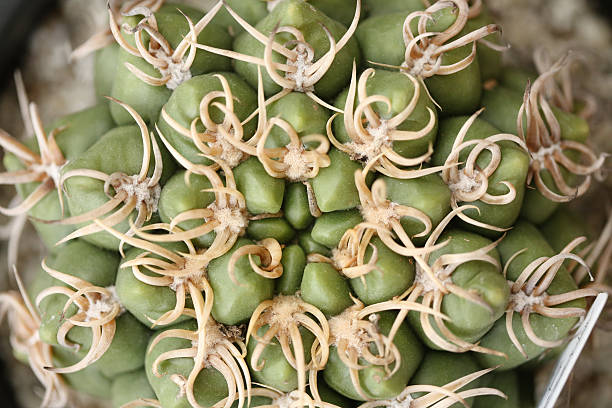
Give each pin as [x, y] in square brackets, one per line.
[296, 203]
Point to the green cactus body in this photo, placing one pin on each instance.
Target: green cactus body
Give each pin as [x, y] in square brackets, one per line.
[235, 303]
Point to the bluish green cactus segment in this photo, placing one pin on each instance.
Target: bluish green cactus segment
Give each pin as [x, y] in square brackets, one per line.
[130, 386]
[235, 303]
[277, 228]
[329, 228]
[294, 262]
[276, 371]
[262, 192]
[178, 196]
[392, 275]
[334, 186]
[145, 302]
[323, 287]
[119, 150]
[295, 206]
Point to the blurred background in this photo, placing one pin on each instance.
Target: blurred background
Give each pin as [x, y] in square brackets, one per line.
[38, 36]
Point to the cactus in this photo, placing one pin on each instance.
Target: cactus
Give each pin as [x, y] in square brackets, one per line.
[302, 203]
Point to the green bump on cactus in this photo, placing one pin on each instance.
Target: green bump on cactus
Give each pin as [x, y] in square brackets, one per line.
[323, 287]
[129, 387]
[391, 275]
[262, 192]
[235, 303]
[316, 30]
[296, 207]
[275, 227]
[294, 262]
[329, 227]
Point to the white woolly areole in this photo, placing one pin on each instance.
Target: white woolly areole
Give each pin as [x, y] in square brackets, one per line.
[229, 153]
[215, 334]
[428, 285]
[298, 167]
[302, 63]
[145, 194]
[344, 327]
[286, 400]
[230, 218]
[545, 152]
[51, 170]
[104, 305]
[371, 149]
[177, 71]
[403, 400]
[521, 301]
[418, 67]
[381, 215]
[466, 184]
[197, 272]
[283, 310]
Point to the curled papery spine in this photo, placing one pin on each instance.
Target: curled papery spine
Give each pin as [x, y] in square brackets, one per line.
[432, 283]
[559, 89]
[301, 71]
[222, 140]
[213, 345]
[372, 137]
[424, 52]
[24, 322]
[269, 253]
[360, 343]
[548, 151]
[136, 192]
[294, 161]
[600, 253]
[470, 182]
[184, 273]
[44, 167]
[173, 64]
[226, 216]
[438, 397]
[105, 37]
[292, 399]
[98, 307]
[284, 315]
[383, 217]
[528, 295]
